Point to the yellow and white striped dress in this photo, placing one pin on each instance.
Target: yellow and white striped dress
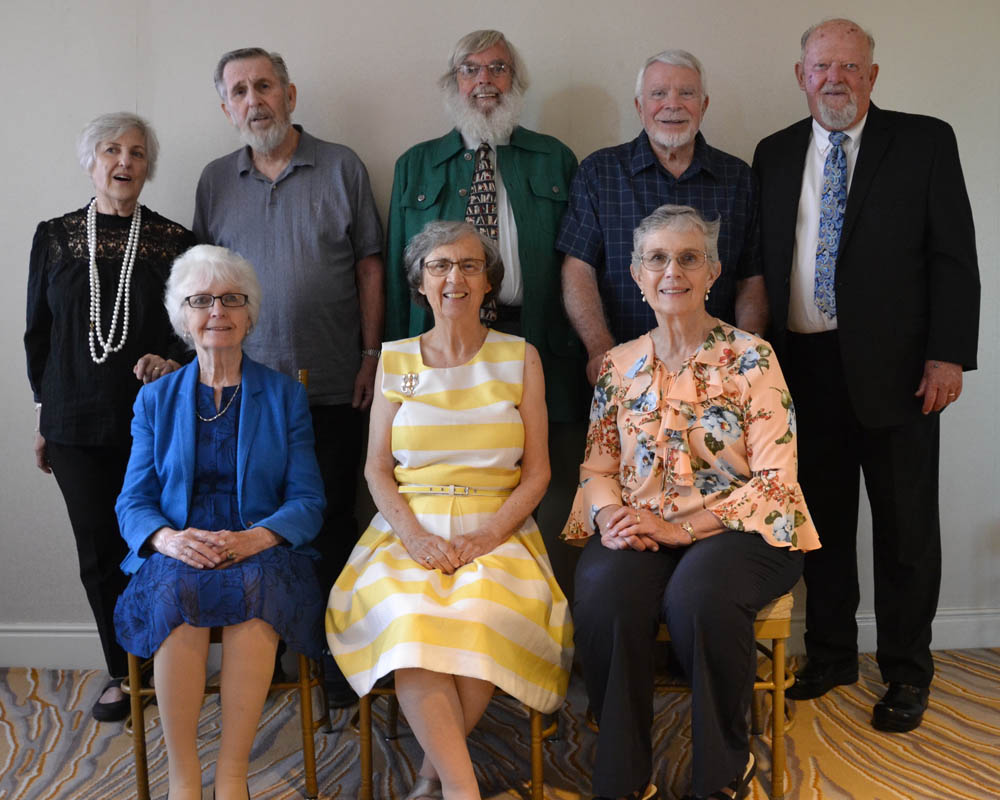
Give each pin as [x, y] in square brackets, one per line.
[501, 618]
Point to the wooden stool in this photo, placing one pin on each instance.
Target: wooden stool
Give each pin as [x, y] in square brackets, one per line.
[310, 677]
[774, 622]
[538, 733]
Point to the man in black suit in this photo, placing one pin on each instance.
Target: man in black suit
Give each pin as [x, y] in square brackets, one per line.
[870, 264]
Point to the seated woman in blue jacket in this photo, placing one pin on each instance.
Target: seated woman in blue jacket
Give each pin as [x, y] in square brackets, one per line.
[221, 499]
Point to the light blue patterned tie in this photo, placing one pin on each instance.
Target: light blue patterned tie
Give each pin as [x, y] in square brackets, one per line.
[831, 221]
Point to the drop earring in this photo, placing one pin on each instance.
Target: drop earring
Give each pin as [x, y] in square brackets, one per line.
[642, 294]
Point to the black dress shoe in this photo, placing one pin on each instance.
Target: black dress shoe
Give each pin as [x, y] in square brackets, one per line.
[816, 678]
[901, 709]
[116, 710]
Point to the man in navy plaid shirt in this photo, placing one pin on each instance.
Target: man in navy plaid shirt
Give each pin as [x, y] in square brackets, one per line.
[617, 187]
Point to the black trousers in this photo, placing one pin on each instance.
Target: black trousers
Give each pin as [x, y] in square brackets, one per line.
[900, 466]
[566, 446]
[90, 479]
[339, 432]
[709, 595]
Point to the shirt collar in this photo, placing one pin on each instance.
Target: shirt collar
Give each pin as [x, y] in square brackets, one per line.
[452, 142]
[644, 158]
[821, 136]
[304, 155]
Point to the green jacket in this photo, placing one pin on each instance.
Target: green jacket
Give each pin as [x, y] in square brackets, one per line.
[537, 171]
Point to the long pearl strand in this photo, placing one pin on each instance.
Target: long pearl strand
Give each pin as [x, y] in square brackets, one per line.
[124, 280]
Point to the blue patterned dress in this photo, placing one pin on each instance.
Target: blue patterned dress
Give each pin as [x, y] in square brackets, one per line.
[276, 585]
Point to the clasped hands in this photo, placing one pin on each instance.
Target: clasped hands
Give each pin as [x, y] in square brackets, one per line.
[211, 549]
[625, 528]
[448, 555]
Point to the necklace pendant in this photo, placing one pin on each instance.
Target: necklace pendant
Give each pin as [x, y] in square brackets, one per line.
[410, 381]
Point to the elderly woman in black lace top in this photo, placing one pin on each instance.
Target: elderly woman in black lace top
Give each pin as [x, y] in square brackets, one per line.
[97, 329]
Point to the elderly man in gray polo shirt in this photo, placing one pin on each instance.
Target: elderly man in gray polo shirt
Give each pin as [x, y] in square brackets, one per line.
[301, 211]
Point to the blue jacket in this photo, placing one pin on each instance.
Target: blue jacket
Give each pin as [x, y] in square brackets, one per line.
[278, 482]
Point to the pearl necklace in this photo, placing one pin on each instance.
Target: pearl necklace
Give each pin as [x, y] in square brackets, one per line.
[124, 279]
[224, 410]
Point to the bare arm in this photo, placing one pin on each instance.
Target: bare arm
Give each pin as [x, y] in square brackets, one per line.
[370, 276]
[535, 471]
[751, 305]
[425, 548]
[586, 312]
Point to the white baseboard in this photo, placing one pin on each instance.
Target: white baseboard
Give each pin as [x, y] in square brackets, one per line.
[76, 646]
[954, 629]
[50, 645]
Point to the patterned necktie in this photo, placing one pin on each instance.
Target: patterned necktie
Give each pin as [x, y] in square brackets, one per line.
[482, 208]
[831, 221]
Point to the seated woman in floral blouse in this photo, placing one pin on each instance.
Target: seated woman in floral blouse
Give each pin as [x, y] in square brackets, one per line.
[689, 480]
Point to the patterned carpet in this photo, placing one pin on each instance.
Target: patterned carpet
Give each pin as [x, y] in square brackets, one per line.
[50, 747]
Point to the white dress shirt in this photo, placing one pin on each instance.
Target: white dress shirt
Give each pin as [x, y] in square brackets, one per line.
[803, 315]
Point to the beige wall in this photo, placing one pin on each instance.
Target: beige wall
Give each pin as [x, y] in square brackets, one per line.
[366, 77]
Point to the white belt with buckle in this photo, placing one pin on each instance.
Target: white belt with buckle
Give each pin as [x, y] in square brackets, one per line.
[452, 490]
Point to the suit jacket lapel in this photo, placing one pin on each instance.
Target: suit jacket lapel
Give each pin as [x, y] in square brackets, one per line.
[875, 141]
[789, 187]
[249, 421]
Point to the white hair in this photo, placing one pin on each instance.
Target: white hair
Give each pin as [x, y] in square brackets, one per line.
[107, 128]
[201, 266]
[674, 58]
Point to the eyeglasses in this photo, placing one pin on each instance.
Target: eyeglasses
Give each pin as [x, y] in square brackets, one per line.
[439, 267]
[469, 70]
[229, 300]
[657, 260]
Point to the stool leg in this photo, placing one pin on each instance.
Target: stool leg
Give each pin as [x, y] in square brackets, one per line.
[778, 721]
[537, 764]
[306, 715]
[138, 728]
[365, 734]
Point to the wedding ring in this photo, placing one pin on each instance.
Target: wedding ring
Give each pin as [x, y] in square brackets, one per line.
[230, 555]
[636, 517]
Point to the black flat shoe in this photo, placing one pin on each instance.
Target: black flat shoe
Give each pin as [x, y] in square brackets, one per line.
[115, 711]
[816, 678]
[901, 709]
[740, 785]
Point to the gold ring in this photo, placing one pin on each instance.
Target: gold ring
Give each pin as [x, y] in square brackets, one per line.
[637, 518]
[231, 555]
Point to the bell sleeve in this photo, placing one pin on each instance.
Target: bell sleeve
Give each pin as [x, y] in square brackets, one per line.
[600, 483]
[771, 502]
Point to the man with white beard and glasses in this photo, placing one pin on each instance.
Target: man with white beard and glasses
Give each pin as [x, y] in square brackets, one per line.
[513, 184]
[301, 211]
[669, 162]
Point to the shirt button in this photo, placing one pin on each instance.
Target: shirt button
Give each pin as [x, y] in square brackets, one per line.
[463, 192]
[421, 198]
[468, 156]
[555, 190]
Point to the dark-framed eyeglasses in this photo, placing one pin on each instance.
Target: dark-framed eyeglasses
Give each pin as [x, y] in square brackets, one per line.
[658, 260]
[468, 70]
[439, 267]
[229, 300]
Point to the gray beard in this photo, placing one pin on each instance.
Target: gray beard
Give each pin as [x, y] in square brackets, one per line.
[492, 128]
[268, 141]
[835, 119]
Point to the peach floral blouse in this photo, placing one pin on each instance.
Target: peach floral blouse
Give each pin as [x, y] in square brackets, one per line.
[719, 434]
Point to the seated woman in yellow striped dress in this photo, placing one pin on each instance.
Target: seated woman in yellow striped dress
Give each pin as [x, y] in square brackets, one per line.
[450, 587]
